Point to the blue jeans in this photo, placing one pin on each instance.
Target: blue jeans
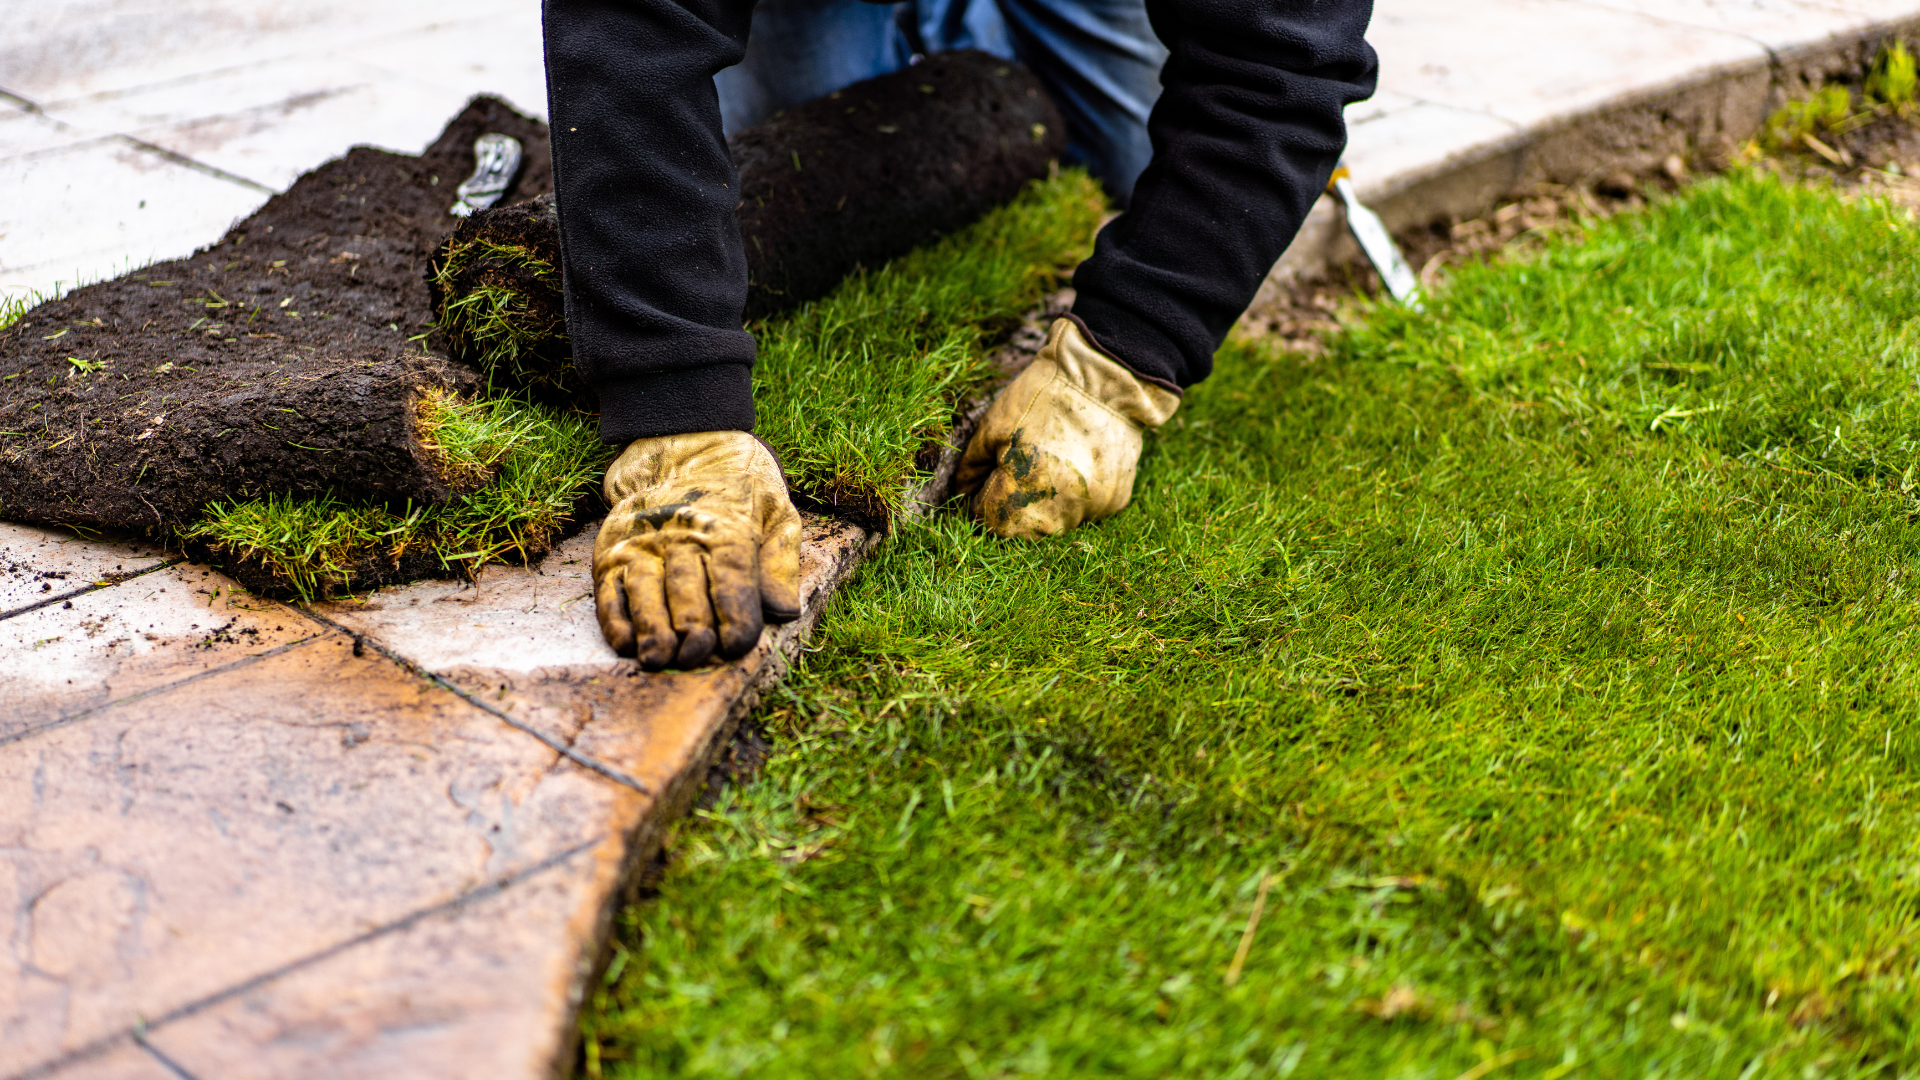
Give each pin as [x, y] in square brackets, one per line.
[1099, 60]
[1245, 131]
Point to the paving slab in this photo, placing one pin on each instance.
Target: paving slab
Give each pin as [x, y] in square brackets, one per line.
[1774, 24]
[367, 839]
[1594, 55]
[44, 566]
[385, 836]
[271, 122]
[112, 645]
[91, 210]
[57, 51]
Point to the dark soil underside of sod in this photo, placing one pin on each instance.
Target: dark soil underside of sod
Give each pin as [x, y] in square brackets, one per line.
[276, 360]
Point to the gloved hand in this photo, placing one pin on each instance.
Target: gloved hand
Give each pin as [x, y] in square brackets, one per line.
[702, 542]
[1059, 445]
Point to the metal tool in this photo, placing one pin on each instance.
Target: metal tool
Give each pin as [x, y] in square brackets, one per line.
[496, 159]
[1377, 243]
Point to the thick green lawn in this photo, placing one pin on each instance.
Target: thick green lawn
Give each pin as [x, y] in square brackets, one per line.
[1528, 687]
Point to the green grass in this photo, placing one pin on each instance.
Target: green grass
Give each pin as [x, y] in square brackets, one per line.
[892, 351]
[542, 459]
[1888, 86]
[1551, 656]
[509, 330]
[14, 305]
[852, 388]
[1893, 80]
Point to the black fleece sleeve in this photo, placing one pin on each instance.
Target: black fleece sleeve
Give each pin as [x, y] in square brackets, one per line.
[1246, 133]
[655, 278]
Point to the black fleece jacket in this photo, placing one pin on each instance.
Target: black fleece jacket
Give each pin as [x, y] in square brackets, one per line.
[1247, 130]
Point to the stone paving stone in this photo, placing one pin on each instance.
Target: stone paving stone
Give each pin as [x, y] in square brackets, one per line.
[272, 122]
[129, 1062]
[113, 644]
[91, 210]
[476, 991]
[54, 51]
[38, 565]
[25, 132]
[526, 643]
[1401, 146]
[498, 55]
[288, 861]
[1481, 56]
[511, 618]
[188, 842]
[1773, 23]
[189, 76]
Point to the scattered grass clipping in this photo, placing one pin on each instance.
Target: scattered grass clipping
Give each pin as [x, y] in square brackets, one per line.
[850, 389]
[1549, 658]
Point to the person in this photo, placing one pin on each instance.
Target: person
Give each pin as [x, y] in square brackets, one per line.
[1216, 123]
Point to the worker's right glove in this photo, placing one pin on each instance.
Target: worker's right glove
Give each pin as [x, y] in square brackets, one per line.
[702, 544]
[1059, 446]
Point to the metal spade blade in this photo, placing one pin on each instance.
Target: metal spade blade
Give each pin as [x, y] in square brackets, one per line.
[1374, 240]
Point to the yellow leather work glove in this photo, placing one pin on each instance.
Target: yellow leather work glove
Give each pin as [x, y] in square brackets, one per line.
[702, 544]
[1059, 445]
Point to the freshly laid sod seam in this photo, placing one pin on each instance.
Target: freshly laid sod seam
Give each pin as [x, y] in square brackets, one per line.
[854, 389]
[850, 390]
[1549, 658]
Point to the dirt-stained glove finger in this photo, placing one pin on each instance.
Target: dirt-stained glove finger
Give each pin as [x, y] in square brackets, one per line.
[979, 460]
[1060, 445]
[703, 507]
[610, 605]
[780, 569]
[1022, 504]
[654, 639]
[687, 600]
[733, 583]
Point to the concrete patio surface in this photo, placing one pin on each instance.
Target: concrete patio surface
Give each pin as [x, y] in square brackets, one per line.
[385, 837]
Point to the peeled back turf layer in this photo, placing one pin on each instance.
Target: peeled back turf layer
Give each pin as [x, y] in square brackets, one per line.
[278, 360]
[852, 179]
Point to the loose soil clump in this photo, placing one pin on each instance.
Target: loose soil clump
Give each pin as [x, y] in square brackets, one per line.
[282, 359]
[853, 179]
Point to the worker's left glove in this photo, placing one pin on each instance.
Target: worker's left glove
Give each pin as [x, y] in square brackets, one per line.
[701, 546]
[1059, 446]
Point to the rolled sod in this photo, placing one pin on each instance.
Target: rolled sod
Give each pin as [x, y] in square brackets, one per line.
[284, 359]
[846, 181]
[281, 399]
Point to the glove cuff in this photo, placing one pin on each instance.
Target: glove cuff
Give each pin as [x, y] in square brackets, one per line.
[1105, 379]
[667, 459]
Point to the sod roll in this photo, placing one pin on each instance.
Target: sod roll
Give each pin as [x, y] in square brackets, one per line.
[849, 180]
[286, 358]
